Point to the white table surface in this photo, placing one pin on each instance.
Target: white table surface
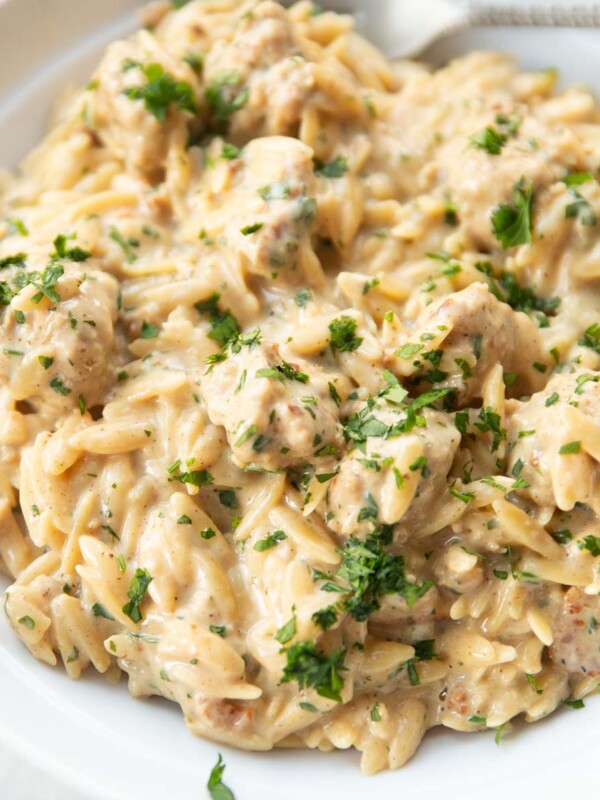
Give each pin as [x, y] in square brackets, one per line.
[20, 781]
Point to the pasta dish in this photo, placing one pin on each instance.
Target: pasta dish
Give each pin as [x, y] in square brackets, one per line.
[300, 383]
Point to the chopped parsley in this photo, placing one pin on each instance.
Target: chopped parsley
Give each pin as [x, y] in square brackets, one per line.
[325, 617]
[533, 683]
[311, 668]
[98, 610]
[581, 209]
[512, 224]
[230, 151]
[161, 92]
[46, 361]
[570, 448]
[253, 228]
[303, 298]
[476, 719]
[269, 541]
[62, 251]
[331, 169]
[126, 245]
[274, 191]
[282, 372]
[287, 632]
[490, 140]
[577, 178]
[371, 573]
[591, 544]
[574, 703]
[216, 788]
[59, 387]
[136, 592]
[16, 260]
[591, 338]
[224, 98]
[149, 331]
[196, 477]
[343, 338]
[28, 622]
[228, 498]
[224, 327]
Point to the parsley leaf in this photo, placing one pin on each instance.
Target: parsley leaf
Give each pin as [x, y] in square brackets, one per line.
[126, 245]
[371, 573]
[581, 209]
[331, 169]
[216, 788]
[269, 541]
[282, 372]
[69, 253]
[490, 140]
[512, 224]
[311, 668]
[287, 632]
[225, 329]
[590, 543]
[162, 91]
[591, 338]
[343, 337]
[224, 99]
[138, 588]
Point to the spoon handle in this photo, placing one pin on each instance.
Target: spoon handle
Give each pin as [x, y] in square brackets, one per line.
[575, 15]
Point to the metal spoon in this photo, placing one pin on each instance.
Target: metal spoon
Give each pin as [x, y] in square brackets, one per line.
[403, 28]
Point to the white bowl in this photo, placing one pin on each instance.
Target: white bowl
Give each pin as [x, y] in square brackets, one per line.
[95, 737]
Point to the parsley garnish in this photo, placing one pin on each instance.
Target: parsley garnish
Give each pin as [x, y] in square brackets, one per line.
[46, 361]
[16, 260]
[69, 253]
[282, 372]
[371, 573]
[224, 327]
[331, 169]
[59, 387]
[228, 498]
[274, 191]
[98, 610]
[570, 448]
[533, 683]
[126, 245]
[230, 151]
[161, 91]
[287, 632]
[590, 543]
[269, 541]
[325, 617]
[216, 788]
[312, 668]
[224, 99]
[149, 331]
[138, 588]
[196, 477]
[248, 229]
[343, 337]
[581, 209]
[512, 224]
[302, 298]
[490, 140]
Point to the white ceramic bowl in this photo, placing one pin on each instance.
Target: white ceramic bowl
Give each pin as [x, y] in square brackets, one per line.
[96, 738]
